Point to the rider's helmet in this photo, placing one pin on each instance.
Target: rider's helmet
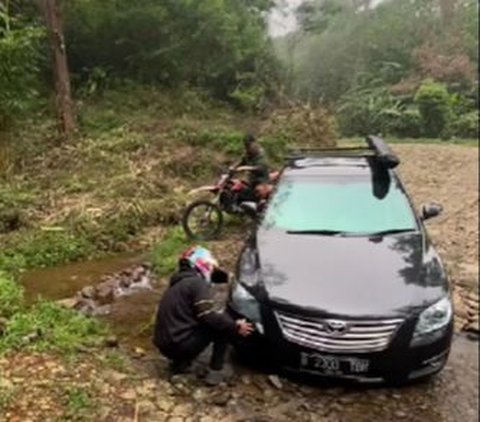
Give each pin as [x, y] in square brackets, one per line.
[248, 139]
[201, 259]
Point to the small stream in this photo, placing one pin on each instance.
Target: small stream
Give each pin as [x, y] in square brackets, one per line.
[129, 316]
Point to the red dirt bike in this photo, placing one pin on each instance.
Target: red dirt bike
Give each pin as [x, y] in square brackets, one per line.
[204, 219]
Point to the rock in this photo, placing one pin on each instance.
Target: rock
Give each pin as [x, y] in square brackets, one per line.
[207, 419]
[275, 381]
[111, 341]
[88, 292]
[472, 327]
[245, 379]
[180, 410]
[125, 282]
[101, 310]
[139, 352]
[146, 407]
[164, 404]
[85, 306]
[198, 395]
[104, 294]
[400, 414]
[68, 303]
[220, 399]
[115, 376]
[137, 274]
[129, 395]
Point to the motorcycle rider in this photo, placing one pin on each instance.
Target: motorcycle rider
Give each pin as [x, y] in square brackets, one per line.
[255, 163]
[187, 323]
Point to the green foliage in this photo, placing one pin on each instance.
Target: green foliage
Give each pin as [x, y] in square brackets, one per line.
[208, 44]
[166, 254]
[11, 296]
[406, 123]
[44, 326]
[78, 401]
[47, 326]
[466, 125]
[367, 110]
[20, 59]
[12, 206]
[40, 248]
[344, 46]
[434, 104]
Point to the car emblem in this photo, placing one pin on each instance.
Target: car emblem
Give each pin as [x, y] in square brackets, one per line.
[336, 327]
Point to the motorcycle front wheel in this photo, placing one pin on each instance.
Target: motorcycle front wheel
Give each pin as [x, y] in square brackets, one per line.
[202, 220]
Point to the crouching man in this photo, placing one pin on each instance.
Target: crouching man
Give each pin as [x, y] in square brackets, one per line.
[186, 321]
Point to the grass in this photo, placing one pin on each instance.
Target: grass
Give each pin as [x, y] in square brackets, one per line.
[115, 360]
[43, 327]
[165, 254]
[79, 403]
[7, 395]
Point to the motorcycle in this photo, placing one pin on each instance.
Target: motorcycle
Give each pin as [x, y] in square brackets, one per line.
[204, 219]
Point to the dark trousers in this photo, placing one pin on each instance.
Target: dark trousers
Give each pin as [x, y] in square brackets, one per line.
[190, 348]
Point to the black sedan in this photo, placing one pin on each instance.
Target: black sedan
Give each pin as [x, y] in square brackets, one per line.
[340, 277]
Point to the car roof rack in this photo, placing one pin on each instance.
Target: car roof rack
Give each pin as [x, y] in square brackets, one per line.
[375, 147]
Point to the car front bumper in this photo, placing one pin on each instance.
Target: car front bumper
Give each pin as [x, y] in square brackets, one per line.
[398, 362]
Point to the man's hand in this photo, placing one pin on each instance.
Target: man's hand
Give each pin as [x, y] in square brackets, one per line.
[244, 328]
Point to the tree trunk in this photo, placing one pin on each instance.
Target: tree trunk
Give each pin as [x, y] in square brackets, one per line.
[64, 103]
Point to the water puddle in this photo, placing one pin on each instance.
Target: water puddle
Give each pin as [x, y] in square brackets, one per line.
[63, 282]
[129, 315]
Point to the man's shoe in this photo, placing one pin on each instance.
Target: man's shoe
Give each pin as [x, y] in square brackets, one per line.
[214, 377]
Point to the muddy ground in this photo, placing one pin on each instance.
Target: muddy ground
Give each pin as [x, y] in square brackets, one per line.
[140, 390]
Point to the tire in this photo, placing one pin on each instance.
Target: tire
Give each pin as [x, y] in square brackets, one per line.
[216, 226]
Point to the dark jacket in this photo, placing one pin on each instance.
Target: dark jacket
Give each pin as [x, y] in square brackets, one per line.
[186, 306]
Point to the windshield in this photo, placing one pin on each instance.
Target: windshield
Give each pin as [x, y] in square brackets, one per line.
[338, 204]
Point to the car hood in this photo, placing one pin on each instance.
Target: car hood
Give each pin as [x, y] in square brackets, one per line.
[354, 276]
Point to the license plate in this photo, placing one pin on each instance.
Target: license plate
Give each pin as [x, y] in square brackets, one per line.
[333, 365]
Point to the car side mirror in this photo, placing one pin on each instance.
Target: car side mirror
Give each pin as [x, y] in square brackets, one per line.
[431, 210]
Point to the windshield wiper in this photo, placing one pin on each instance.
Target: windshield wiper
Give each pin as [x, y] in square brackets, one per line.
[391, 231]
[319, 232]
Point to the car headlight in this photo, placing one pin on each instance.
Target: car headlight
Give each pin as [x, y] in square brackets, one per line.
[248, 266]
[432, 322]
[245, 304]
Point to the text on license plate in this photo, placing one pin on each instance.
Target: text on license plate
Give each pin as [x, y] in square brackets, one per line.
[329, 364]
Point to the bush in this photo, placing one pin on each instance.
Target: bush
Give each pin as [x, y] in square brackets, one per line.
[434, 104]
[466, 125]
[406, 124]
[366, 111]
[11, 296]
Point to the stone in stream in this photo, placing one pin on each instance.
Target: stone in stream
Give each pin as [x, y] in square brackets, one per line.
[88, 292]
[104, 293]
[68, 303]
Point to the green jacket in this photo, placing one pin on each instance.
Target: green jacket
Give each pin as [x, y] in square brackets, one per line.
[262, 174]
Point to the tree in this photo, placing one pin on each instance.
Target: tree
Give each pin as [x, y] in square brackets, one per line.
[54, 21]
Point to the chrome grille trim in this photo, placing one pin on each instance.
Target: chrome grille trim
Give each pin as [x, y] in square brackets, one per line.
[361, 336]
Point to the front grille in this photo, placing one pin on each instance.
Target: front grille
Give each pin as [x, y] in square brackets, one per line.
[357, 336]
